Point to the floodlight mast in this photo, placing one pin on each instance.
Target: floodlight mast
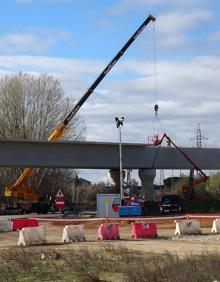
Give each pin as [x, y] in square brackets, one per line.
[59, 131]
[119, 125]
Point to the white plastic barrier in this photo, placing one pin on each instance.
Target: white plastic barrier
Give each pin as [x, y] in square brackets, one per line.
[216, 226]
[5, 225]
[73, 233]
[187, 227]
[32, 236]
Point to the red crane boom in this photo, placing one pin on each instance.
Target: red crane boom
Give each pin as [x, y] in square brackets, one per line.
[203, 176]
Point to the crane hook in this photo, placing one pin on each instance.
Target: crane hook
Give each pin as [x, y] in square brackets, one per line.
[156, 108]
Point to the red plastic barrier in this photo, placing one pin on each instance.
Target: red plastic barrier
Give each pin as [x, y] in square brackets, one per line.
[18, 224]
[144, 230]
[108, 231]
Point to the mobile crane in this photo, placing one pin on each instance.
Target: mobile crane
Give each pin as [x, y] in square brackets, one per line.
[23, 192]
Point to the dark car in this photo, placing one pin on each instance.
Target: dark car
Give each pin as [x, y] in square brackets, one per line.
[11, 211]
[70, 210]
[171, 204]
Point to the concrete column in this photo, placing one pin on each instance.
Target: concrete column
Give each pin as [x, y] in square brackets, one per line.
[147, 182]
[115, 176]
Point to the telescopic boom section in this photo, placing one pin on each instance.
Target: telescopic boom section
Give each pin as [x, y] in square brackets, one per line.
[59, 131]
[101, 76]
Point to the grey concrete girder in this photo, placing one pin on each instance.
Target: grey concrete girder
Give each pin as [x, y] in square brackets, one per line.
[98, 155]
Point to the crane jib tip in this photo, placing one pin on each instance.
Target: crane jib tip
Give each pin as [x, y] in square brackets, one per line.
[152, 18]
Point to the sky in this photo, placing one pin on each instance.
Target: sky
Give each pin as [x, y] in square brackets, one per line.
[175, 63]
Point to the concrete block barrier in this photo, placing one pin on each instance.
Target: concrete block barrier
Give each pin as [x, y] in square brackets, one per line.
[73, 233]
[216, 226]
[5, 225]
[143, 230]
[187, 227]
[108, 231]
[18, 224]
[32, 236]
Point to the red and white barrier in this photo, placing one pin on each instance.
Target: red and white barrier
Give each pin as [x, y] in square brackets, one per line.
[73, 233]
[32, 236]
[18, 224]
[187, 227]
[108, 231]
[144, 230]
[216, 226]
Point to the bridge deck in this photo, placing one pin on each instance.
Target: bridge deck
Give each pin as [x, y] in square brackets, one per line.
[97, 155]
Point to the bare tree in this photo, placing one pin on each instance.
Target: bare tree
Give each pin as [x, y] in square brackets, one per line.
[30, 108]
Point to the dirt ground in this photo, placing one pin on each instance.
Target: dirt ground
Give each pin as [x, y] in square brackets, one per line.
[166, 241]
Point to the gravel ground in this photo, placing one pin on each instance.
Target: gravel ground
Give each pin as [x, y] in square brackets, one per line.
[200, 238]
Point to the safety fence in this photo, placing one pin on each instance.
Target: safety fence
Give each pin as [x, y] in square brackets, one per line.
[128, 219]
[17, 224]
[32, 236]
[31, 233]
[144, 230]
[216, 226]
[187, 227]
[108, 231]
[73, 233]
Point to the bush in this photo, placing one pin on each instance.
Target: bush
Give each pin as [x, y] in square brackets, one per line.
[202, 206]
[151, 208]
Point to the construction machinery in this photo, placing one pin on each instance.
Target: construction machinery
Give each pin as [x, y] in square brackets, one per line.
[202, 176]
[135, 206]
[23, 192]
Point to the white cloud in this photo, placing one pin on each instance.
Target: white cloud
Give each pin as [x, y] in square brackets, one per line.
[75, 74]
[31, 41]
[23, 43]
[172, 29]
[174, 24]
[188, 93]
[178, 21]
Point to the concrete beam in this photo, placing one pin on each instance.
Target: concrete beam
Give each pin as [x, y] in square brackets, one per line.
[93, 155]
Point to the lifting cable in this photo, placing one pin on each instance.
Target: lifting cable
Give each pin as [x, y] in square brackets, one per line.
[156, 108]
[157, 125]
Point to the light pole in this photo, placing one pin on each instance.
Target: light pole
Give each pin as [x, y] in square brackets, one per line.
[119, 124]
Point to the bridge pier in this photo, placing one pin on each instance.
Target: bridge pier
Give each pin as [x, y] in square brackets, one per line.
[147, 182]
[115, 176]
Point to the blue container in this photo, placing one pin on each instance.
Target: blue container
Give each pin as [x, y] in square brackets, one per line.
[130, 210]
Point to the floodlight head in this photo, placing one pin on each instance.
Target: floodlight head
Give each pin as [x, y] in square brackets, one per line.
[119, 121]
